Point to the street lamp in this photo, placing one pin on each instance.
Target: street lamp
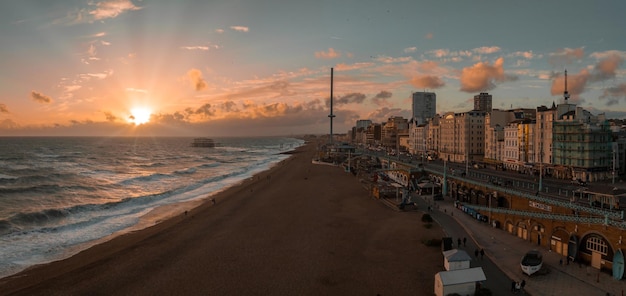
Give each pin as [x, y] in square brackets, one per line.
[540, 168]
[613, 182]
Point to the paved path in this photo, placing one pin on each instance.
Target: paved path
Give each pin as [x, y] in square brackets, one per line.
[506, 251]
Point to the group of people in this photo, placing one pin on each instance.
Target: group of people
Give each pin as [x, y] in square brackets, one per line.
[517, 286]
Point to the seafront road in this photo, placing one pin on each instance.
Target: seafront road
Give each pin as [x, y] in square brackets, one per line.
[506, 250]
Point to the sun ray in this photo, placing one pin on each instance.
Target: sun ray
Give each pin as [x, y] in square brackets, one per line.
[140, 115]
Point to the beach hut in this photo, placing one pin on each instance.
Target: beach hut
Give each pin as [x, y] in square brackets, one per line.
[460, 281]
[456, 259]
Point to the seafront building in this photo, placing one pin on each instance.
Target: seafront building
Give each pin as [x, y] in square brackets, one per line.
[563, 141]
[424, 106]
[483, 102]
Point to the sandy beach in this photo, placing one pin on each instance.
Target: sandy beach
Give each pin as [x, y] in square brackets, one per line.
[297, 229]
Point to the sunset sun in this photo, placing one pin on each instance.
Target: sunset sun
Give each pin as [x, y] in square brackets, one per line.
[139, 115]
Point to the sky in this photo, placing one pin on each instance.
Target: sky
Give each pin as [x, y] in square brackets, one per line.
[262, 68]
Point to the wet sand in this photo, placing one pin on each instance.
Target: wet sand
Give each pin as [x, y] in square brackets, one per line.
[297, 229]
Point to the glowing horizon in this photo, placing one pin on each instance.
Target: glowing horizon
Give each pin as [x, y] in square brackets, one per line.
[247, 69]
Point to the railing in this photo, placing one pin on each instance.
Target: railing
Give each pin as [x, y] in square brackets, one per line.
[556, 217]
[615, 215]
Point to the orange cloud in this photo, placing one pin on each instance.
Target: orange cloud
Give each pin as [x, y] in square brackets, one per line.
[112, 8]
[607, 67]
[240, 28]
[427, 81]
[3, 108]
[39, 97]
[331, 54]
[566, 56]
[486, 49]
[195, 77]
[576, 83]
[482, 76]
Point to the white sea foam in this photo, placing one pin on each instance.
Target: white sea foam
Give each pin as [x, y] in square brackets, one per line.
[112, 200]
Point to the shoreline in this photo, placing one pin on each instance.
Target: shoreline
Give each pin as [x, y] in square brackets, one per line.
[278, 218]
[151, 217]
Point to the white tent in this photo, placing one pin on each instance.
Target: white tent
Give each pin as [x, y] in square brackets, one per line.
[460, 281]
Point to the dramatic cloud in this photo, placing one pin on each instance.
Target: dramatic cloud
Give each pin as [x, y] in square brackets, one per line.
[3, 108]
[607, 67]
[347, 99]
[566, 56]
[240, 28]
[576, 83]
[525, 54]
[382, 114]
[197, 47]
[110, 117]
[8, 124]
[331, 54]
[487, 50]
[205, 111]
[229, 106]
[380, 98]
[483, 76]
[39, 97]
[195, 77]
[112, 8]
[614, 94]
[427, 81]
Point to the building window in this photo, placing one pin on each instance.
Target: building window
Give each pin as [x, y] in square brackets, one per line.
[597, 244]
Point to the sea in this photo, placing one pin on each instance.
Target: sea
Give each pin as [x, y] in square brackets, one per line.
[61, 195]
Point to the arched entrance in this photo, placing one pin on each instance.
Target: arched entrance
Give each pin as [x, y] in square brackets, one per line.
[536, 232]
[559, 241]
[522, 231]
[595, 249]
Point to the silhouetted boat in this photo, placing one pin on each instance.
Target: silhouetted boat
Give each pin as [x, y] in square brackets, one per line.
[532, 262]
[203, 142]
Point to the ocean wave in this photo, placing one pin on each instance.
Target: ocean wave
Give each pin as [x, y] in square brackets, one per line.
[147, 178]
[185, 171]
[3, 176]
[151, 165]
[46, 189]
[209, 165]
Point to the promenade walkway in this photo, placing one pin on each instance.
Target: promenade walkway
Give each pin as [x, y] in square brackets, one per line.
[506, 250]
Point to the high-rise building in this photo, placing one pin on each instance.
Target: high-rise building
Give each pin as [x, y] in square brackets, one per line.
[424, 106]
[482, 102]
[363, 123]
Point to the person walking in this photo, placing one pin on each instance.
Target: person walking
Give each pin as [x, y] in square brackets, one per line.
[458, 240]
[482, 254]
[464, 241]
[522, 284]
[476, 253]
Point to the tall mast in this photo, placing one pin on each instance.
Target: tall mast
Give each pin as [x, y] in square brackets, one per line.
[331, 115]
[565, 93]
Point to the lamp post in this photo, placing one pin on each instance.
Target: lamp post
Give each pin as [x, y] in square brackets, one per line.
[444, 189]
[540, 169]
[613, 182]
[466, 163]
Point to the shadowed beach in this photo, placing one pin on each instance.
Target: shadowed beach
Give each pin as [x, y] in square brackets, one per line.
[296, 229]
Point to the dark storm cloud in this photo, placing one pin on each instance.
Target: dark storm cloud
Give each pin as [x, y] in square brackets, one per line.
[381, 98]
[39, 97]
[347, 99]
